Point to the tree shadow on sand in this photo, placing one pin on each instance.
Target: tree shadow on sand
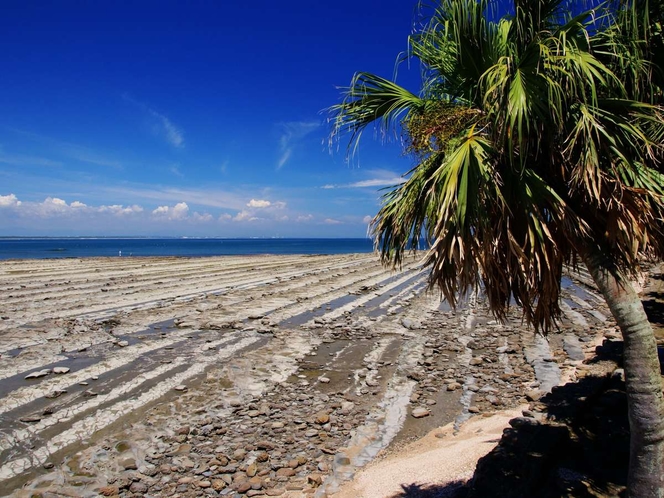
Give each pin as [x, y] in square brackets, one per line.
[580, 448]
[654, 308]
[574, 442]
[455, 489]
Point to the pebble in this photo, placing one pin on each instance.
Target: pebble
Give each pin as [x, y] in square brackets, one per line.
[30, 418]
[534, 394]
[218, 484]
[108, 490]
[286, 472]
[123, 344]
[38, 374]
[275, 491]
[322, 418]
[271, 442]
[420, 412]
[138, 487]
[61, 370]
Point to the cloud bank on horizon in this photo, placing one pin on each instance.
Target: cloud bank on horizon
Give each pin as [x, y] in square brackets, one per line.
[184, 122]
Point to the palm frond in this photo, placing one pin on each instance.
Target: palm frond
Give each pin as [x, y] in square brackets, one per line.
[369, 99]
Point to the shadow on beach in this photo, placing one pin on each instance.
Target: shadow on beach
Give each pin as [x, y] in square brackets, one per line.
[455, 489]
[572, 442]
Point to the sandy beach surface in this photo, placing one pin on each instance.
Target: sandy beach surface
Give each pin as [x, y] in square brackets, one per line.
[259, 376]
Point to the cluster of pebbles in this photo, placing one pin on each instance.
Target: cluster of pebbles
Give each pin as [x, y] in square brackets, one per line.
[240, 429]
[288, 440]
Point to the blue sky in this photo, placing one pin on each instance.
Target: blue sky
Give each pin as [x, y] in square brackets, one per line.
[197, 118]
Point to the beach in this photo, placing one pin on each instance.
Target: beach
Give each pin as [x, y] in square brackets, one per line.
[257, 375]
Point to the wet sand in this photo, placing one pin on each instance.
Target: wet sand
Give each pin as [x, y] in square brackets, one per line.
[250, 376]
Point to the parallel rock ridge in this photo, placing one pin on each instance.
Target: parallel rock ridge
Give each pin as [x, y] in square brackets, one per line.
[253, 376]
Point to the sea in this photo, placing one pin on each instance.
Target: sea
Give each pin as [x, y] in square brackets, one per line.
[88, 247]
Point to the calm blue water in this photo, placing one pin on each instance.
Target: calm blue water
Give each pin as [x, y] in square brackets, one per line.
[83, 247]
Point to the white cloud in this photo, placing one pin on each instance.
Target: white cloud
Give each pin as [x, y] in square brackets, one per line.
[291, 133]
[245, 216]
[262, 204]
[225, 217]
[367, 219]
[180, 210]
[56, 207]
[258, 203]
[331, 221]
[9, 201]
[372, 182]
[172, 133]
[203, 218]
[176, 171]
[285, 156]
[177, 212]
[305, 218]
[161, 125]
[119, 210]
[52, 206]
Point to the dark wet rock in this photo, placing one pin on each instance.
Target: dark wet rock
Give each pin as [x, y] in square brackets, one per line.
[523, 421]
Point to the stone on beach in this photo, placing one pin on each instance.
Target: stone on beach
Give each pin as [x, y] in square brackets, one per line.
[420, 412]
[294, 400]
[38, 374]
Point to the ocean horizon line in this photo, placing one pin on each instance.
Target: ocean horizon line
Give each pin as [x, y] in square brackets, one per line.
[164, 237]
[67, 247]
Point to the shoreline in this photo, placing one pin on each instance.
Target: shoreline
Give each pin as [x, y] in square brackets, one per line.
[329, 358]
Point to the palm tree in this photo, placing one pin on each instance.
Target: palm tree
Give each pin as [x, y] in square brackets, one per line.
[537, 140]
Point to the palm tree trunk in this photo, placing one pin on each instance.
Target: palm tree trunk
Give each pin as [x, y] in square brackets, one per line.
[643, 379]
